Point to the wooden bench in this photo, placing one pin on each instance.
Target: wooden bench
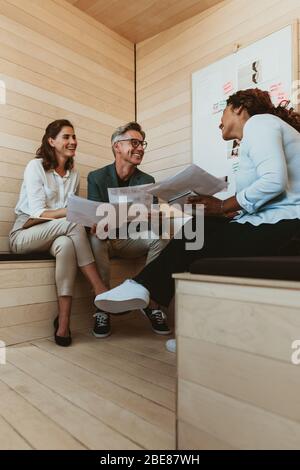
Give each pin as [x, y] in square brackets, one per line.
[27, 288]
[28, 301]
[237, 385]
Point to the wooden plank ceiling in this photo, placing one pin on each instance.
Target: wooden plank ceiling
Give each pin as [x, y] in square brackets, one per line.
[137, 20]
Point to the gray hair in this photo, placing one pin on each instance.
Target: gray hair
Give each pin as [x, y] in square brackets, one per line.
[130, 126]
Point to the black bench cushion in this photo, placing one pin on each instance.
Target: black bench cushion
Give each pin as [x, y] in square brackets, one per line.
[273, 267]
[25, 257]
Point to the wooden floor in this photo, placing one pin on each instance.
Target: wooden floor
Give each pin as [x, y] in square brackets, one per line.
[112, 393]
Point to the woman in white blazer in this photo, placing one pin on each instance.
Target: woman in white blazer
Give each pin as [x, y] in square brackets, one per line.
[49, 179]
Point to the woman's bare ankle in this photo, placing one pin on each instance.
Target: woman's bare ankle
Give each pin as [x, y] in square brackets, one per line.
[64, 325]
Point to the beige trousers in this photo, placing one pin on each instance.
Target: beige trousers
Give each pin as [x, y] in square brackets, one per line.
[66, 241]
[105, 249]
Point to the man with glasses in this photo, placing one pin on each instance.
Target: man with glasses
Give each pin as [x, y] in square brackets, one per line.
[128, 145]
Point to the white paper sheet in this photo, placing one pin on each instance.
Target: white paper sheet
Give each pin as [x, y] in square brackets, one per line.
[82, 211]
[188, 182]
[132, 195]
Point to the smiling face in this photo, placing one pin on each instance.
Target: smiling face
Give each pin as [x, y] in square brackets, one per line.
[233, 121]
[65, 143]
[229, 123]
[126, 152]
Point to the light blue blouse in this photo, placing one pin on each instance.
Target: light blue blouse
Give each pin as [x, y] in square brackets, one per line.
[268, 178]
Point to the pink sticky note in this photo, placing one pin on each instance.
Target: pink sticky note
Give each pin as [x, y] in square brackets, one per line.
[228, 87]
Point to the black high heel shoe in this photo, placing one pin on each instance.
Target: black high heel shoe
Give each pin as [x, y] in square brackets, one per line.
[61, 340]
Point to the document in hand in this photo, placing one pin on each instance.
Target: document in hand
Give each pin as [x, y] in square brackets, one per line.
[132, 195]
[115, 216]
[191, 181]
[83, 211]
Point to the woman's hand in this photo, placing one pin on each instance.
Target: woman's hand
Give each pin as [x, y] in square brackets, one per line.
[214, 206]
[55, 213]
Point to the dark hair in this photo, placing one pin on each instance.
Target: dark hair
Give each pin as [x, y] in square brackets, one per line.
[257, 101]
[46, 152]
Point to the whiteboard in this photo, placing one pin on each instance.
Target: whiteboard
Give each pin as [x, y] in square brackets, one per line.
[266, 64]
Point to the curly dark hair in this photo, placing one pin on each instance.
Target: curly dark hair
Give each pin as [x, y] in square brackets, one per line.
[46, 152]
[257, 101]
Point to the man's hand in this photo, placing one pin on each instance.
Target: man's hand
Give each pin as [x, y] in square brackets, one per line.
[93, 229]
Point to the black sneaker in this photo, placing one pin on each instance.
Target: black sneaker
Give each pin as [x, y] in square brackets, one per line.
[102, 325]
[158, 320]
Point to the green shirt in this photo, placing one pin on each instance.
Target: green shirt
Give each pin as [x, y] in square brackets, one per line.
[106, 177]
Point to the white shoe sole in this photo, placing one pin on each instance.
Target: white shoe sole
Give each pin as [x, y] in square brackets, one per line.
[101, 336]
[127, 296]
[162, 332]
[119, 306]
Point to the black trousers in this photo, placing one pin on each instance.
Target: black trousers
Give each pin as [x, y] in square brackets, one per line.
[222, 238]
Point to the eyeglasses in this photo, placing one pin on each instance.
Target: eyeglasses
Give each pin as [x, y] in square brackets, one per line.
[134, 142]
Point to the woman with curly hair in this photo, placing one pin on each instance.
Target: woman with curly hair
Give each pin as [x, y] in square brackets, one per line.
[49, 179]
[258, 220]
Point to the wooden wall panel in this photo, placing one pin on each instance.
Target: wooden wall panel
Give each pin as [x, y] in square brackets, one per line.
[56, 62]
[166, 62]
